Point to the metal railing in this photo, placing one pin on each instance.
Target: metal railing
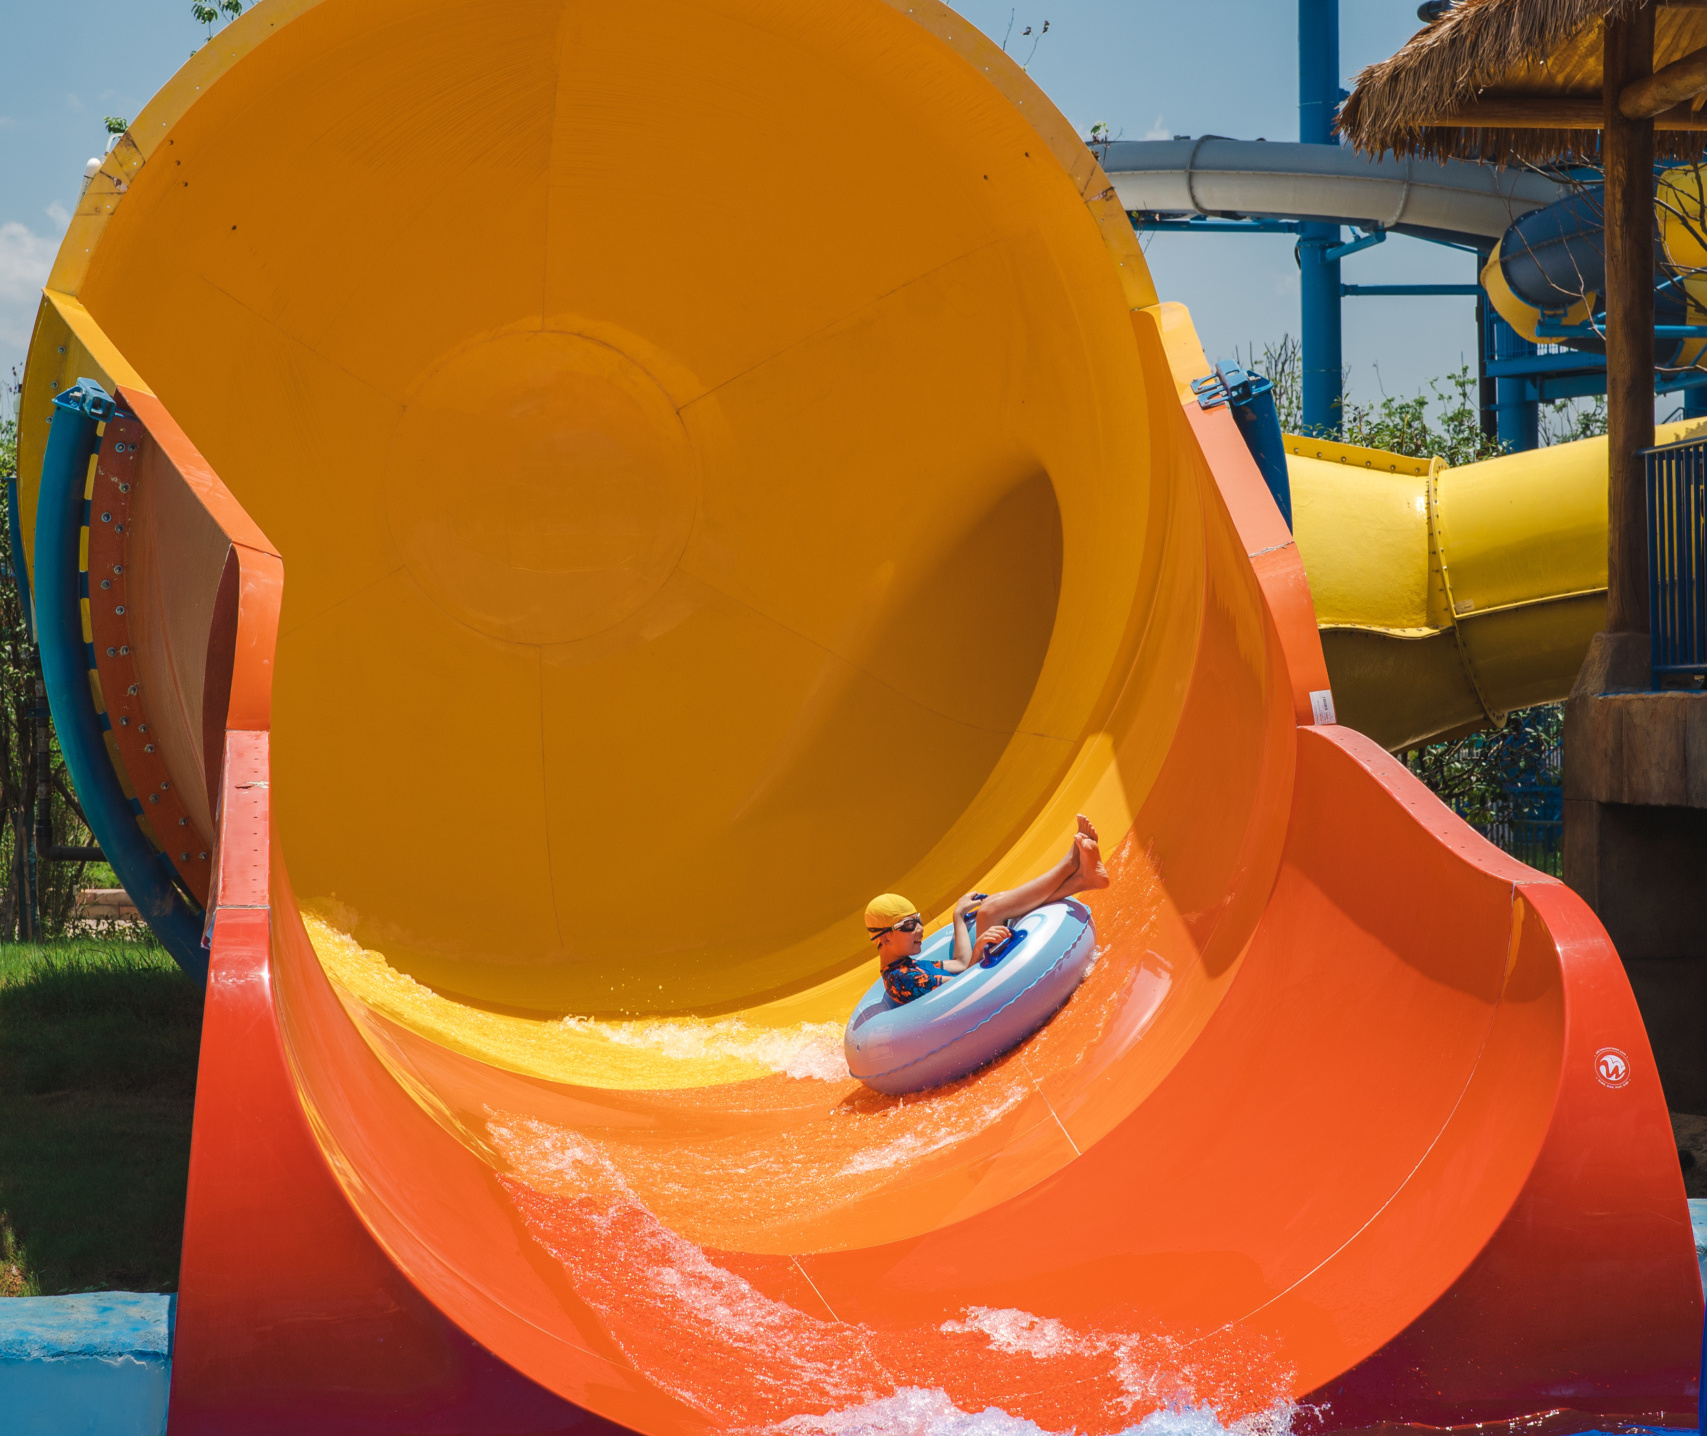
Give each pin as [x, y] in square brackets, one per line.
[1507, 785]
[1536, 841]
[1677, 558]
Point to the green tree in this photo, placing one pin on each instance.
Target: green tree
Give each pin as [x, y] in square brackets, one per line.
[56, 883]
[1568, 420]
[1446, 420]
[209, 14]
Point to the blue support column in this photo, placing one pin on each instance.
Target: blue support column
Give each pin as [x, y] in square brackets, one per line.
[1519, 415]
[1318, 100]
[1323, 366]
[1695, 407]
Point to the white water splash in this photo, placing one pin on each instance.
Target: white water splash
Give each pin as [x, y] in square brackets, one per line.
[1151, 1372]
[806, 1051]
[949, 1131]
[914, 1411]
[909, 1412]
[1015, 1331]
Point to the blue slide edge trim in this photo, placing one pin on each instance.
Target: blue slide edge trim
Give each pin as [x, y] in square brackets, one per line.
[70, 444]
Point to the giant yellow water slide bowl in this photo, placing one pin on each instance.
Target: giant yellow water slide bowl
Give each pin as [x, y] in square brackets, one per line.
[722, 459]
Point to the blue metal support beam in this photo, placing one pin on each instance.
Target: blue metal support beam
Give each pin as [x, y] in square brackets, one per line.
[1467, 291]
[1318, 101]
[1533, 364]
[1516, 406]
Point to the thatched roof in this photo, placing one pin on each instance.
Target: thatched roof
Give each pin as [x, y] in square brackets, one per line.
[1487, 61]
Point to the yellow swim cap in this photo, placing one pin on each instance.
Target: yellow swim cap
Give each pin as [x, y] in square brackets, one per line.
[887, 909]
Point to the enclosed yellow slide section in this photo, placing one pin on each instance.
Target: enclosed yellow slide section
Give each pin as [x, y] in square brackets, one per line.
[1448, 596]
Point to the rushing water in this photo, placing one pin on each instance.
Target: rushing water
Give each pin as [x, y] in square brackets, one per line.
[711, 1329]
[682, 1246]
[803, 1050]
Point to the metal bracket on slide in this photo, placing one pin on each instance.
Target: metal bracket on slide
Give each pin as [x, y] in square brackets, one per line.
[89, 399]
[1229, 384]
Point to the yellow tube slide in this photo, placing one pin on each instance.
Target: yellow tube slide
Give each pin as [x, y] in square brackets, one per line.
[1448, 596]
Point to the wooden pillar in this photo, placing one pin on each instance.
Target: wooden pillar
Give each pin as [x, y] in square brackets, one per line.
[1628, 153]
[1635, 832]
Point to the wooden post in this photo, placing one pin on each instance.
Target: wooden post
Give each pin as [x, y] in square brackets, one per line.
[1628, 147]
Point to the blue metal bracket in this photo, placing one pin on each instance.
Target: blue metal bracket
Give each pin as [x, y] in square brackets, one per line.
[89, 399]
[61, 513]
[1368, 241]
[1217, 388]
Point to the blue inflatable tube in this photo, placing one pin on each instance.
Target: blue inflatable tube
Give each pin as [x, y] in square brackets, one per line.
[975, 1017]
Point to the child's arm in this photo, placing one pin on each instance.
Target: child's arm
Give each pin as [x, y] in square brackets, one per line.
[965, 916]
[968, 950]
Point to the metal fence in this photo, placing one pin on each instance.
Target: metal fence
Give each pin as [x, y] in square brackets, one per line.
[1536, 841]
[1677, 558]
[1507, 785]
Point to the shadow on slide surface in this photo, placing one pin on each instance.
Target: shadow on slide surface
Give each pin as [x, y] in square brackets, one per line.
[561, 586]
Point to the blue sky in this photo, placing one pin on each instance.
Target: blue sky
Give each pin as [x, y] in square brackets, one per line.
[1149, 68]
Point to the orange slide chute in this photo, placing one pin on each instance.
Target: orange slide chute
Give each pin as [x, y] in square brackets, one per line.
[581, 558]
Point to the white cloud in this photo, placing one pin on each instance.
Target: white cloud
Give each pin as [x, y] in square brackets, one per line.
[59, 214]
[1158, 131]
[25, 258]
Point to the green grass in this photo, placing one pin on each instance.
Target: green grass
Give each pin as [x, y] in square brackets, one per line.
[98, 1048]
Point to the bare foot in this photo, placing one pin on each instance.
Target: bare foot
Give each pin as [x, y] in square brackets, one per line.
[1091, 871]
[1087, 829]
